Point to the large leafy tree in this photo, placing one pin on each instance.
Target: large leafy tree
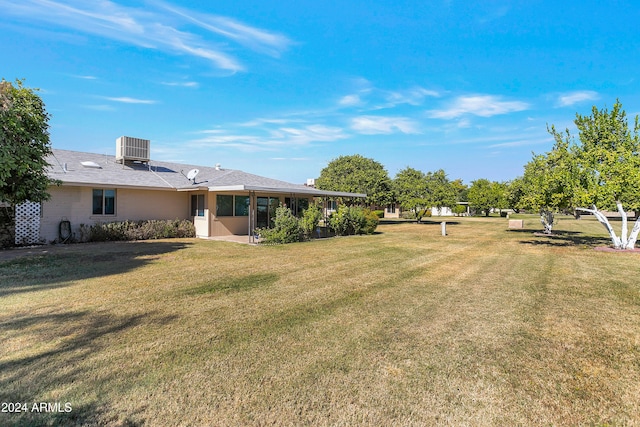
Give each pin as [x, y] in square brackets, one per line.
[419, 192]
[24, 144]
[515, 193]
[461, 190]
[607, 161]
[357, 174]
[549, 182]
[485, 195]
[442, 193]
[410, 189]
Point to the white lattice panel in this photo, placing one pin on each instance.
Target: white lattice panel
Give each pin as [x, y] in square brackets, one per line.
[27, 223]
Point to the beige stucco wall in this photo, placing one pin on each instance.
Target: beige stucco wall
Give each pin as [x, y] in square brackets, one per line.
[75, 204]
[389, 214]
[228, 225]
[225, 226]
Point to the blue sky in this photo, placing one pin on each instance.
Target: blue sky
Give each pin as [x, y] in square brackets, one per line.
[282, 88]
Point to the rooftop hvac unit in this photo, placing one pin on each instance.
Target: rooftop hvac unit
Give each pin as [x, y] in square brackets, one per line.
[128, 148]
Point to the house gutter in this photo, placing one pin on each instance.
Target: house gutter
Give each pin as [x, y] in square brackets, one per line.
[309, 191]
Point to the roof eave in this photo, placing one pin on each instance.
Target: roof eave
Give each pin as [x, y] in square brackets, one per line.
[113, 185]
[309, 191]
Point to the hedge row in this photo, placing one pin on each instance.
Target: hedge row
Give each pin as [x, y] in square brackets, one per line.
[140, 230]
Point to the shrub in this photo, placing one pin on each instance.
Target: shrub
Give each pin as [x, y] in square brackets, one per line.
[345, 221]
[353, 220]
[379, 213]
[309, 222]
[459, 209]
[339, 221]
[286, 228]
[108, 232]
[408, 215]
[371, 222]
[141, 230]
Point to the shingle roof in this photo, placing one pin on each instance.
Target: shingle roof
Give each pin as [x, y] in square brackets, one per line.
[98, 169]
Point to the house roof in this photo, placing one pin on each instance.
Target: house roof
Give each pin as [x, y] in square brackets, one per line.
[89, 169]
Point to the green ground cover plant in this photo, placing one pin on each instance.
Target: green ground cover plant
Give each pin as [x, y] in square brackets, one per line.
[138, 230]
[486, 326]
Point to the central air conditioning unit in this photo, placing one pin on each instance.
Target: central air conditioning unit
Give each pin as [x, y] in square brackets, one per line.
[132, 149]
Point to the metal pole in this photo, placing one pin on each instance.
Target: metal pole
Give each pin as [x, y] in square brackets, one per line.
[251, 221]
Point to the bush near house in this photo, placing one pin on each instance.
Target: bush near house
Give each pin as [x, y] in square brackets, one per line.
[141, 230]
[349, 220]
[310, 220]
[286, 228]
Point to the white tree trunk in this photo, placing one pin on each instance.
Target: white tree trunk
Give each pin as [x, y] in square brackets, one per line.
[631, 243]
[626, 240]
[623, 216]
[546, 219]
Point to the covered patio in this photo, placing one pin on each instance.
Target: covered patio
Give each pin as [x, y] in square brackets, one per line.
[233, 212]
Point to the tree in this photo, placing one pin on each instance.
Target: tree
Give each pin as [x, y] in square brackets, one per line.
[440, 190]
[461, 190]
[607, 168]
[501, 190]
[515, 193]
[24, 144]
[485, 195]
[410, 189]
[549, 182]
[419, 192]
[357, 174]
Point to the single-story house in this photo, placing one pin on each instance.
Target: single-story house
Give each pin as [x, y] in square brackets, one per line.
[98, 188]
[395, 211]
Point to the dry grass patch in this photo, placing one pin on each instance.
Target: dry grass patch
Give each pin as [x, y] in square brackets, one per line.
[482, 327]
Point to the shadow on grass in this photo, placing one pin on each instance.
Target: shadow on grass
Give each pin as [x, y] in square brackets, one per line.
[56, 367]
[234, 284]
[423, 222]
[76, 262]
[563, 238]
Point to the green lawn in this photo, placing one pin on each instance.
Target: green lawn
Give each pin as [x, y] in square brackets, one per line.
[405, 327]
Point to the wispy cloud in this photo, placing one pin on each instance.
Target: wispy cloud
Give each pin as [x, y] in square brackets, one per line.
[153, 28]
[478, 105]
[377, 99]
[414, 96]
[519, 143]
[100, 107]
[350, 100]
[254, 38]
[182, 84]
[269, 121]
[571, 98]
[269, 139]
[307, 134]
[292, 159]
[373, 125]
[127, 100]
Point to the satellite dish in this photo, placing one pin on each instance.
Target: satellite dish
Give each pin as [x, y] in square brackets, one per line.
[192, 174]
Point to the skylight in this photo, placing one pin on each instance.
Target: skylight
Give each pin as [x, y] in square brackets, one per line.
[88, 164]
